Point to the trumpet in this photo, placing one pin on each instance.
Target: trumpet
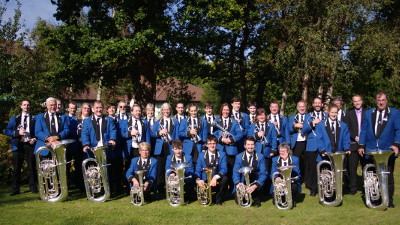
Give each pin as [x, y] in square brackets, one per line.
[95, 175]
[135, 138]
[195, 137]
[278, 132]
[376, 180]
[204, 194]
[330, 180]
[283, 187]
[166, 137]
[244, 198]
[137, 193]
[52, 173]
[224, 133]
[175, 185]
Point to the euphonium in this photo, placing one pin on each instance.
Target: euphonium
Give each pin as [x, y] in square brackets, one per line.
[244, 198]
[204, 193]
[330, 181]
[283, 187]
[137, 193]
[95, 175]
[376, 182]
[175, 185]
[52, 173]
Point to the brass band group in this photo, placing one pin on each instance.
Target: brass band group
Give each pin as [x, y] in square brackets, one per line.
[234, 154]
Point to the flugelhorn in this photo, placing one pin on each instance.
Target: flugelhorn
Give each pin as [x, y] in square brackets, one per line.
[244, 198]
[52, 173]
[95, 175]
[330, 180]
[175, 185]
[224, 133]
[376, 180]
[283, 187]
[137, 193]
[204, 196]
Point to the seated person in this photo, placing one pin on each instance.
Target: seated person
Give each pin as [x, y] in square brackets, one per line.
[258, 175]
[147, 163]
[216, 161]
[285, 159]
[181, 157]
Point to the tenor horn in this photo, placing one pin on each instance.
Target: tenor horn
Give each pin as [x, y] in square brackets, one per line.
[175, 185]
[137, 193]
[52, 172]
[376, 180]
[95, 175]
[204, 194]
[244, 198]
[330, 180]
[283, 187]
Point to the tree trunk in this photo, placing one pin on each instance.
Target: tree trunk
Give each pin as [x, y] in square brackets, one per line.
[284, 97]
[98, 98]
[304, 95]
[242, 67]
[146, 90]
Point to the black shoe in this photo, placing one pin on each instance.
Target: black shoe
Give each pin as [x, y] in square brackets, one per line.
[257, 204]
[313, 193]
[14, 193]
[390, 205]
[294, 204]
[218, 202]
[353, 192]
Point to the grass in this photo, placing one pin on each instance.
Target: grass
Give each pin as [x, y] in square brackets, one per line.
[26, 209]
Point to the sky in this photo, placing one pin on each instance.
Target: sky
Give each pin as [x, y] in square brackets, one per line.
[31, 10]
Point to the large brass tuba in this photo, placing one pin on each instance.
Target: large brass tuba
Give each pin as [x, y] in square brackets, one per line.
[330, 181]
[376, 182]
[204, 196]
[137, 193]
[175, 185]
[52, 173]
[244, 198]
[283, 187]
[95, 175]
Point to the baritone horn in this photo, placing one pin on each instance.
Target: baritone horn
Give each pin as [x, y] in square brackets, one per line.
[244, 198]
[137, 193]
[52, 172]
[95, 175]
[376, 180]
[283, 187]
[175, 185]
[204, 194]
[330, 180]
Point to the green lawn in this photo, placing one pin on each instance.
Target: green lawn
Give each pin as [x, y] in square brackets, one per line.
[26, 209]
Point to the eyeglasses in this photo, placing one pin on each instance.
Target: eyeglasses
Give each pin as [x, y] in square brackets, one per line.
[122, 107]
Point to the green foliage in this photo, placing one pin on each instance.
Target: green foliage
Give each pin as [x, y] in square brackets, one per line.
[6, 167]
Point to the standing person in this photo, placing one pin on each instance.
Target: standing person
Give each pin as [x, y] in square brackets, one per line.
[312, 146]
[209, 117]
[165, 130]
[299, 139]
[354, 120]
[280, 122]
[242, 119]
[50, 127]
[258, 175]
[180, 108]
[228, 144]
[193, 131]
[381, 131]
[252, 107]
[122, 108]
[151, 120]
[216, 161]
[338, 100]
[21, 129]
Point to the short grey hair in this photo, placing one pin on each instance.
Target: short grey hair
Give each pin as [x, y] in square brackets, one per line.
[50, 99]
[284, 145]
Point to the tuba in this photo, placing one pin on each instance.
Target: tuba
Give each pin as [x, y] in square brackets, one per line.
[52, 173]
[137, 193]
[204, 194]
[376, 180]
[95, 175]
[244, 198]
[283, 187]
[330, 181]
[175, 185]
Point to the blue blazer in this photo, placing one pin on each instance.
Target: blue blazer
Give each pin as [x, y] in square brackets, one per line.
[204, 162]
[390, 134]
[151, 167]
[88, 135]
[258, 165]
[189, 171]
[235, 130]
[11, 129]
[42, 127]
[215, 117]
[174, 130]
[292, 131]
[324, 137]
[184, 134]
[284, 129]
[126, 134]
[312, 144]
[73, 134]
[293, 161]
[270, 143]
[245, 120]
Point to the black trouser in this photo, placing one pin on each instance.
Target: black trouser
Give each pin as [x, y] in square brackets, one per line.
[230, 161]
[311, 170]
[24, 151]
[221, 187]
[115, 173]
[268, 182]
[195, 155]
[161, 158]
[351, 168]
[256, 193]
[127, 161]
[299, 151]
[78, 158]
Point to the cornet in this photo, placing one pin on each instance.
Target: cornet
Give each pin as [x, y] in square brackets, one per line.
[166, 137]
[135, 138]
[175, 185]
[195, 137]
[137, 193]
[244, 198]
[309, 121]
[25, 138]
[283, 187]
[52, 173]
[263, 139]
[278, 132]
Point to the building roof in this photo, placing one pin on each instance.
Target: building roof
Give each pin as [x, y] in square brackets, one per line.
[172, 86]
